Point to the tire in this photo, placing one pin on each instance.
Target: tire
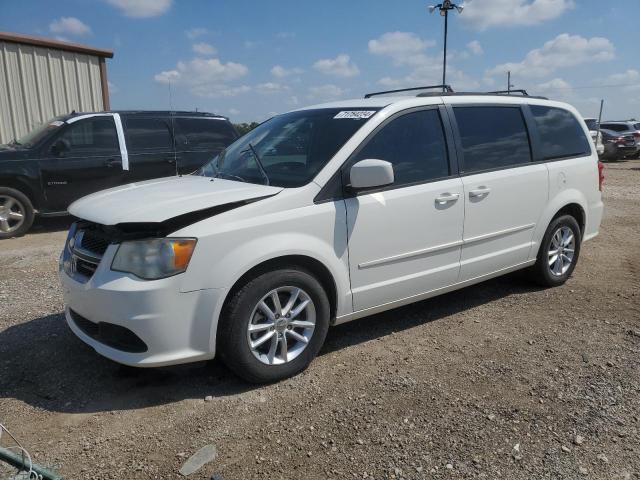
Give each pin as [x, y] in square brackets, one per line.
[546, 271]
[14, 203]
[259, 364]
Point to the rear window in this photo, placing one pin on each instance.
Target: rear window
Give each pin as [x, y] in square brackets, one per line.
[206, 133]
[560, 133]
[616, 127]
[148, 134]
[592, 124]
[492, 137]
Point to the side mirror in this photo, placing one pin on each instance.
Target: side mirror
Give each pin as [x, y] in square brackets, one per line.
[60, 146]
[371, 173]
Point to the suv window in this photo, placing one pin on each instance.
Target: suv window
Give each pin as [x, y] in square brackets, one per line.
[636, 126]
[616, 127]
[492, 137]
[92, 135]
[560, 133]
[415, 144]
[148, 134]
[206, 133]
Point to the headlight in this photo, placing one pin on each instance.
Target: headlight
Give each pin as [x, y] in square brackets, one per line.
[154, 259]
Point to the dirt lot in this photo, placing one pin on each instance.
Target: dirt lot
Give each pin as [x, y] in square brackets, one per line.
[501, 380]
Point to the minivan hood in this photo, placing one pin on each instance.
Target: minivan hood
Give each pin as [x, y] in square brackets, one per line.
[159, 200]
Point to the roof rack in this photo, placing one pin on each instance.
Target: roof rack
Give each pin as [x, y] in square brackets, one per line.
[509, 92]
[444, 88]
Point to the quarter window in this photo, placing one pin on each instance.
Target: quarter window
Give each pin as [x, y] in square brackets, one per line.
[148, 134]
[560, 133]
[492, 137]
[415, 144]
[92, 135]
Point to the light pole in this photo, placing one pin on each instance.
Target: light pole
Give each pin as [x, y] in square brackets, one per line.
[444, 8]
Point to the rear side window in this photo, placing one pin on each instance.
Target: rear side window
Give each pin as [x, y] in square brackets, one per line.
[636, 126]
[96, 134]
[415, 144]
[560, 133]
[148, 134]
[492, 137]
[206, 133]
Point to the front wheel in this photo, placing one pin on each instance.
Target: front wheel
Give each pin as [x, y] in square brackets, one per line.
[558, 252]
[16, 213]
[274, 326]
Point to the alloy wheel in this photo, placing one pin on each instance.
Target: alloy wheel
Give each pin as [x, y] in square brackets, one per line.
[12, 214]
[281, 325]
[561, 251]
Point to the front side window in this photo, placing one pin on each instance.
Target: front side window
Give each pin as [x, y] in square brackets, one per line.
[492, 137]
[560, 133]
[288, 150]
[96, 134]
[148, 134]
[414, 144]
[206, 133]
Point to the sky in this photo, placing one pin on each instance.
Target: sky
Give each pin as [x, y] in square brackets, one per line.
[249, 59]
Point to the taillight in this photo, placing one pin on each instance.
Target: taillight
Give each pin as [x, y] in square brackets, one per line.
[600, 175]
[636, 134]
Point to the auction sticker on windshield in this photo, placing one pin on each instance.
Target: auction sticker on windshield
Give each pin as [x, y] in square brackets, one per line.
[355, 114]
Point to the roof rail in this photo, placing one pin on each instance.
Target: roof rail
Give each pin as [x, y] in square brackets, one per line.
[509, 92]
[444, 88]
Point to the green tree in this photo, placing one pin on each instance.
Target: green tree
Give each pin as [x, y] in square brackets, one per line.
[245, 127]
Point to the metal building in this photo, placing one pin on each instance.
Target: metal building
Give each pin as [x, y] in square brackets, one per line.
[41, 78]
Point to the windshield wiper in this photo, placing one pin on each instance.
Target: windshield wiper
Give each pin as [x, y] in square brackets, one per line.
[258, 161]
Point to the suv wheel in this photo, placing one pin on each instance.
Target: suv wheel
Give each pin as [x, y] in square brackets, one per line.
[559, 252]
[274, 326]
[16, 213]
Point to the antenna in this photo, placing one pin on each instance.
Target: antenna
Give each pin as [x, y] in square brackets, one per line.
[173, 128]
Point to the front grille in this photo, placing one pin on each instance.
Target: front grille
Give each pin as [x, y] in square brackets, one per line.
[94, 241]
[114, 336]
[86, 249]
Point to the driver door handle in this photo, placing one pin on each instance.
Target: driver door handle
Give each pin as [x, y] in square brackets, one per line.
[447, 198]
[480, 192]
[112, 162]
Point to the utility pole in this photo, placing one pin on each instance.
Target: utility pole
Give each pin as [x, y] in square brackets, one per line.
[444, 8]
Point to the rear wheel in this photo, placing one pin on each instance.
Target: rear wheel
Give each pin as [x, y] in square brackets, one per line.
[274, 326]
[558, 252]
[16, 213]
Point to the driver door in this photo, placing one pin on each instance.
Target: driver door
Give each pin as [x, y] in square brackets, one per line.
[83, 159]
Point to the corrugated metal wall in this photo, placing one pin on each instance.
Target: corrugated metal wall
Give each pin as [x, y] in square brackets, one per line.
[38, 83]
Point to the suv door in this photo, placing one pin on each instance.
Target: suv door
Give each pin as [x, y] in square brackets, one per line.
[504, 192]
[199, 139]
[84, 158]
[405, 239]
[150, 146]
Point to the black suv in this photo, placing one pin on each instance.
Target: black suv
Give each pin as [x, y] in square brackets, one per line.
[74, 155]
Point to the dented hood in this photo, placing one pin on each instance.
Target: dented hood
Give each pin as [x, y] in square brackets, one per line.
[159, 200]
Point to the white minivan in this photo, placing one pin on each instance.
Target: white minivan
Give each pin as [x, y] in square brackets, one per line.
[328, 214]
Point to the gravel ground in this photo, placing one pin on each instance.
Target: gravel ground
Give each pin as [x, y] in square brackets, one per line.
[500, 380]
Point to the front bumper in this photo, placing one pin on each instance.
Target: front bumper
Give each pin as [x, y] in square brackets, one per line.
[174, 327]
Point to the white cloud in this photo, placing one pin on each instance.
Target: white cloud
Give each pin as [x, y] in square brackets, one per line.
[553, 86]
[483, 14]
[69, 26]
[341, 66]
[325, 92]
[404, 48]
[475, 47]
[141, 8]
[285, 35]
[206, 77]
[279, 71]
[196, 32]
[563, 51]
[271, 87]
[204, 49]
[628, 77]
[113, 88]
[234, 111]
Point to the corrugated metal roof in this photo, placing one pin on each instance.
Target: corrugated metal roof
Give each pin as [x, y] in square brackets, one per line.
[54, 44]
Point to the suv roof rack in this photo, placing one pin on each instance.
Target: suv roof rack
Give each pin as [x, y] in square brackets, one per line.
[509, 92]
[444, 88]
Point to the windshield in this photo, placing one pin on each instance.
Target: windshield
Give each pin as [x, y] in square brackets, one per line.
[288, 150]
[38, 133]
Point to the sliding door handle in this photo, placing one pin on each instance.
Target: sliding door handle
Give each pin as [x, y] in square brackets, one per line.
[447, 198]
[479, 192]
